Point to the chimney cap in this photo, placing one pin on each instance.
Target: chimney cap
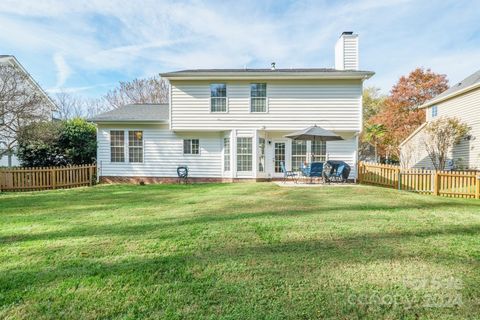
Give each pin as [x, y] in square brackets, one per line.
[347, 33]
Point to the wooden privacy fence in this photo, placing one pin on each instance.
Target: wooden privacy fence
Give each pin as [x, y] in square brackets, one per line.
[31, 179]
[458, 184]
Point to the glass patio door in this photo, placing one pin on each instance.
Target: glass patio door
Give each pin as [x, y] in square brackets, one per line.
[279, 156]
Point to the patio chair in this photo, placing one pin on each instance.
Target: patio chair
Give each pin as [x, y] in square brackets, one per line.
[314, 170]
[287, 174]
[182, 173]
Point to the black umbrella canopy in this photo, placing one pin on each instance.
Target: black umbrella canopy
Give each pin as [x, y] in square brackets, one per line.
[314, 133]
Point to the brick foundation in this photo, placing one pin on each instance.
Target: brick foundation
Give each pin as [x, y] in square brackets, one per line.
[151, 180]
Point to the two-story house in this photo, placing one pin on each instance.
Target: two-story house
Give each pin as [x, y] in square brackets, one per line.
[229, 124]
[461, 101]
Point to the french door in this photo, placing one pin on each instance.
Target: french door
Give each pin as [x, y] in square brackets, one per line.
[280, 156]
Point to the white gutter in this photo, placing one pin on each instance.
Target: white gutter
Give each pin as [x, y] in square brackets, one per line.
[363, 75]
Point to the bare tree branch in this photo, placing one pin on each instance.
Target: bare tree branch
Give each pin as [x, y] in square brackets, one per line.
[151, 90]
[20, 103]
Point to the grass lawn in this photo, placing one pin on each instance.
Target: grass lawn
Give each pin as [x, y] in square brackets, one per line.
[238, 251]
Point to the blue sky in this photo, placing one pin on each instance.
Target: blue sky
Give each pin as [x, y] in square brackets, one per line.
[86, 47]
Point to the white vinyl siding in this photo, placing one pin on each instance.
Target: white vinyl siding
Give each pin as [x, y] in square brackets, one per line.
[163, 153]
[292, 105]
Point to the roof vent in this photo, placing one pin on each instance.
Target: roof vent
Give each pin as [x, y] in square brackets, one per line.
[273, 66]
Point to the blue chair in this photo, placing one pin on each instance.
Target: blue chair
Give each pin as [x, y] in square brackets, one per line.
[313, 170]
[287, 174]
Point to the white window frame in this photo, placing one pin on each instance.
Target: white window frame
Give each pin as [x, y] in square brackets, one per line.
[191, 144]
[260, 151]
[123, 146]
[250, 99]
[316, 155]
[292, 155]
[142, 147]
[251, 154]
[210, 98]
[434, 111]
[227, 155]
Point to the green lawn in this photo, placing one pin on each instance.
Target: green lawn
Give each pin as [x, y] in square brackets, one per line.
[238, 251]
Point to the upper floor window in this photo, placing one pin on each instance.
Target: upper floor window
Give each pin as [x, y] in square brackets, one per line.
[117, 146]
[135, 146]
[258, 97]
[191, 146]
[434, 111]
[218, 97]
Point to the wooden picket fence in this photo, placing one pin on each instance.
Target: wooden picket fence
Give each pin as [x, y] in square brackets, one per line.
[44, 178]
[457, 184]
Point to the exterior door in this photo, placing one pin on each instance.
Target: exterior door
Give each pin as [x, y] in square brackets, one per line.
[279, 149]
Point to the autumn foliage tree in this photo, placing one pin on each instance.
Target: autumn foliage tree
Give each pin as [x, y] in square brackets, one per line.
[399, 115]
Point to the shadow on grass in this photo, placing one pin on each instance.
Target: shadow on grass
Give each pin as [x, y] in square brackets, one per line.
[225, 214]
[317, 254]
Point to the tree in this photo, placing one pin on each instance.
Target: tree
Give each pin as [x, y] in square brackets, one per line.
[400, 115]
[20, 103]
[373, 102]
[440, 137]
[38, 144]
[373, 135]
[57, 143]
[71, 106]
[150, 90]
[78, 141]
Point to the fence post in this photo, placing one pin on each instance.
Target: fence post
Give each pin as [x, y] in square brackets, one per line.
[399, 177]
[90, 175]
[53, 178]
[436, 183]
[477, 188]
[359, 171]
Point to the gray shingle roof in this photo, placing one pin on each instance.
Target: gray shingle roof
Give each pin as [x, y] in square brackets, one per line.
[135, 113]
[246, 70]
[468, 81]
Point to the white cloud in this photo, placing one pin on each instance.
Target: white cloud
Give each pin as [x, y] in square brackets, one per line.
[106, 41]
[63, 70]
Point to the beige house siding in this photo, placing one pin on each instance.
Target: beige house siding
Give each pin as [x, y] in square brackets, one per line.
[466, 154]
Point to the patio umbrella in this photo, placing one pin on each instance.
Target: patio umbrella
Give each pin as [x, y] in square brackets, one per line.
[314, 133]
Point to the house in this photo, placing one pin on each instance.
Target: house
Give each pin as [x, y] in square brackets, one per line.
[9, 123]
[230, 124]
[461, 101]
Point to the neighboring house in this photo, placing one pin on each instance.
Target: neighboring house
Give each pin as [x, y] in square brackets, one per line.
[461, 101]
[229, 124]
[44, 111]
